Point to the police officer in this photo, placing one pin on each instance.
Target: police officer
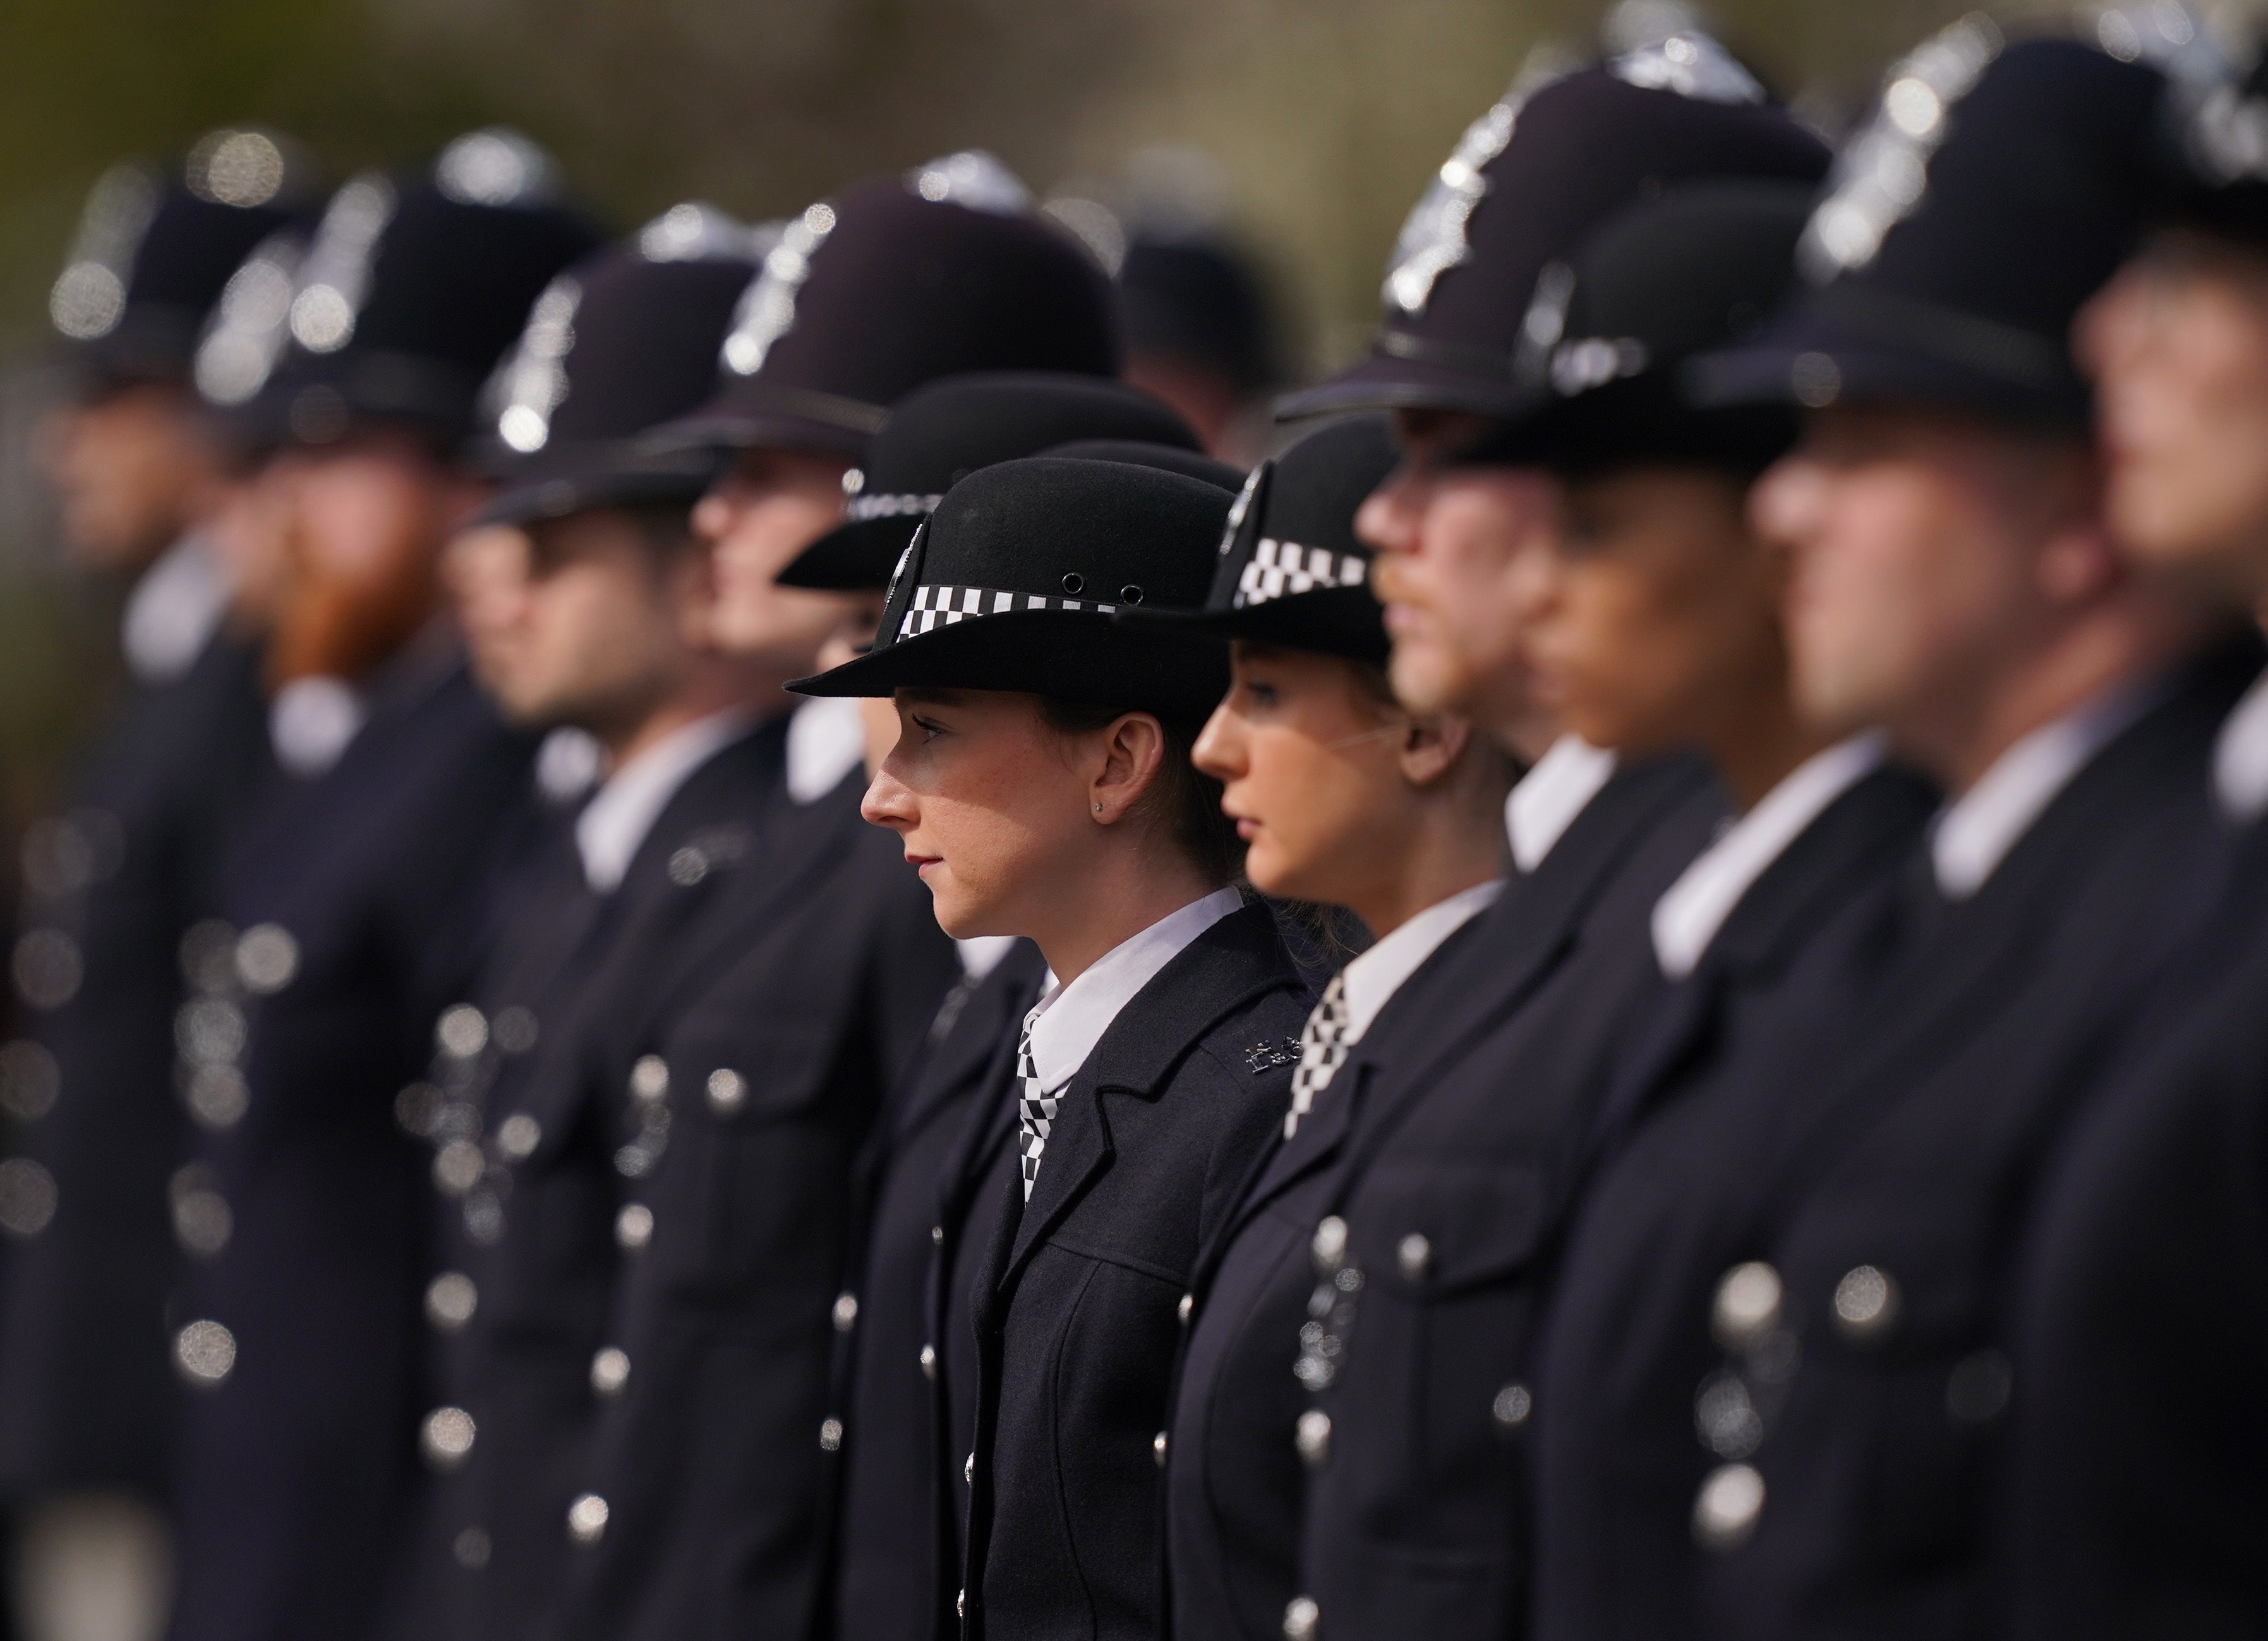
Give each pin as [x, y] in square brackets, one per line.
[1041, 782]
[113, 883]
[350, 895]
[890, 1388]
[1437, 1236]
[2138, 1457]
[1346, 800]
[1954, 583]
[747, 1075]
[595, 620]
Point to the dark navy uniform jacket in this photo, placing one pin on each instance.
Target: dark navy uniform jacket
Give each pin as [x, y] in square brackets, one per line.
[1896, 1221]
[1234, 1487]
[1626, 1340]
[1416, 1521]
[776, 1030]
[87, 1395]
[1074, 1309]
[529, 1224]
[2135, 1501]
[889, 1578]
[357, 895]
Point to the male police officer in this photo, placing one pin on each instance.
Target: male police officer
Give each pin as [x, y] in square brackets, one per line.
[1954, 583]
[587, 601]
[112, 885]
[355, 880]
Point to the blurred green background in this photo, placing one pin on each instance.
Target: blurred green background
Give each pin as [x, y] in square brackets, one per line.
[1313, 124]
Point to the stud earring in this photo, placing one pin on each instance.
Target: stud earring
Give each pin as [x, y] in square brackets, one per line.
[1098, 809]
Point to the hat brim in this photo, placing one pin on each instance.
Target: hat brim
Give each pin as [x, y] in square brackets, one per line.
[658, 482]
[757, 415]
[854, 557]
[1812, 360]
[1080, 656]
[1344, 621]
[1384, 382]
[1641, 421]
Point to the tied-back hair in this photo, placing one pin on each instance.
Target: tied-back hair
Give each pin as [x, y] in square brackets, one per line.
[1186, 797]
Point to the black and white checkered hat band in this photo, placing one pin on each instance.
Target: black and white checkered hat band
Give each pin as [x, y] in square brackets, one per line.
[865, 507]
[935, 606]
[1280, 569]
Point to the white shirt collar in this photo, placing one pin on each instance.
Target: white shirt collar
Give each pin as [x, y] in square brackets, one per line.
[312, 721]
[614, 822]
[1551, 795]
[826, 740]
[1071, 1019]
[1687, 918]
[2239, 757]
[982, 953]
[174, 611]
[1973, 834]
[1369, 980]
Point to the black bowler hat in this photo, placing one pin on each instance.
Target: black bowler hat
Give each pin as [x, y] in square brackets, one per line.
[1191, 464]
[409, 292]
[1291, 570]
[1527, 183]
[154, 252]
[619, 342]
[1197, 299]
[1010, 583]
[894, 283]
[1699, 267]
[940, 433]
[1998, 188]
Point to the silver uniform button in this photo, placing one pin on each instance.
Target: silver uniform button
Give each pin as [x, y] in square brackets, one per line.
[969, 1469]
[1415, 1254]
[458, 1167]
[728, 1091]
[846, 1312]
[267, 957]
[28, 1195]
[610, 1370]
[1328, 1248]
[649, 1078]
[937, 1235]
[1158, 1448]
[446, 1437]
[1312, 1437]
[1511, 1406]
[461, 1032]
[1302, 1619]
[1186, 1308]
[1748, 1299]
[472, 1550]
[960, 1603]
[633, 1226]
[587, 1518]
[1866, 1305]
[205, 1352]
[929, 1361]
[517, 1135]
[830, 1435]
[1725, 1511]
[451, 1299]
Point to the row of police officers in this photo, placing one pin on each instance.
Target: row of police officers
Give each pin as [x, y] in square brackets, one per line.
[755, 958]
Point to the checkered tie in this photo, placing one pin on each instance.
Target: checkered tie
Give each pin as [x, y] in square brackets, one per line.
[1323, 1047]
[1035, 1110]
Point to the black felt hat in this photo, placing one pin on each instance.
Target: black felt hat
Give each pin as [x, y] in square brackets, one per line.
[942, 432]
[154, 251]
[1290, 571]
[620, 342]
[1998, 188]
[1528, 183]
[1699, 267]
[1010, 583]
[894, 283]
[410, 291]
[1192, 464]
